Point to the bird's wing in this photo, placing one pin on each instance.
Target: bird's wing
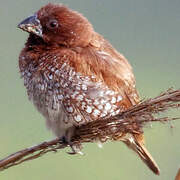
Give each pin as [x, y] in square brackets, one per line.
[111, 68]
[108, 78]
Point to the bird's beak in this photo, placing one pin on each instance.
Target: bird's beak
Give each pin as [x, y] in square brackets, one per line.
[31, 25]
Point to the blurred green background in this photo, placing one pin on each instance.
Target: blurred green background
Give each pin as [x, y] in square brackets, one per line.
[148, 34]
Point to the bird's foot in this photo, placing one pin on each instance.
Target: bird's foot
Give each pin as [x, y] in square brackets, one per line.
[76, 148]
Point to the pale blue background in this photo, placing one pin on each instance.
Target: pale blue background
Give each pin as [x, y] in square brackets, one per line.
[147, 32]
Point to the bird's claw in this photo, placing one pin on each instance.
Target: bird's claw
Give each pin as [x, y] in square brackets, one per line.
[76, 148]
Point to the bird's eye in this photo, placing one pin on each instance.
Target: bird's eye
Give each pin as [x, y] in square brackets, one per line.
[53, 24]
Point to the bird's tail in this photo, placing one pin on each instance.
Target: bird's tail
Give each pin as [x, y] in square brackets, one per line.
[143, 153]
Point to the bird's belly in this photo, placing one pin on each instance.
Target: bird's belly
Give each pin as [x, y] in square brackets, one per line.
[57, 119]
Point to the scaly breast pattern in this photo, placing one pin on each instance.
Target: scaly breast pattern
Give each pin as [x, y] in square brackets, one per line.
[65, 97]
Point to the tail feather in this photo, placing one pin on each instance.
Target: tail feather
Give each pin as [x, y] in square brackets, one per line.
[143, 153]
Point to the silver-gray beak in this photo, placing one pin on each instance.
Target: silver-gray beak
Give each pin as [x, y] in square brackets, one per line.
[31, 25]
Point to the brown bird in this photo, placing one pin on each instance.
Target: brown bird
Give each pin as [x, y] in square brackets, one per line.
[74, 76]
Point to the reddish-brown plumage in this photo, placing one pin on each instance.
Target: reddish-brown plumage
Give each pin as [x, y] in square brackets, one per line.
[73, 75]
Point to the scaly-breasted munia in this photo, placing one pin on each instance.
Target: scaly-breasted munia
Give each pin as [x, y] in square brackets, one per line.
[73, 75]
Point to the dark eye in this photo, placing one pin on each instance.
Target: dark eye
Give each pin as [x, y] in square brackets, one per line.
[53, 24]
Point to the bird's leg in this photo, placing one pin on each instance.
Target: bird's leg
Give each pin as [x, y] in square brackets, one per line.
[66, 139]
[76, 149]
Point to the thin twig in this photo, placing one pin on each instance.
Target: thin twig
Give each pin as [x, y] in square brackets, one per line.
[129, 121]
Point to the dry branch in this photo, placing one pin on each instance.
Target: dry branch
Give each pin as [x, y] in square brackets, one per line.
[129, 121]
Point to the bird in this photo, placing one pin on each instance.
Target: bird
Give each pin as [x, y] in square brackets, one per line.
[73, 75]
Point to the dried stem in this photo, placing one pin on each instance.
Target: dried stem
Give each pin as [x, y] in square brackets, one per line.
[129, 121]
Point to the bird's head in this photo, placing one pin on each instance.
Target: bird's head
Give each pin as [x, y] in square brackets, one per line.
[59, 25]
